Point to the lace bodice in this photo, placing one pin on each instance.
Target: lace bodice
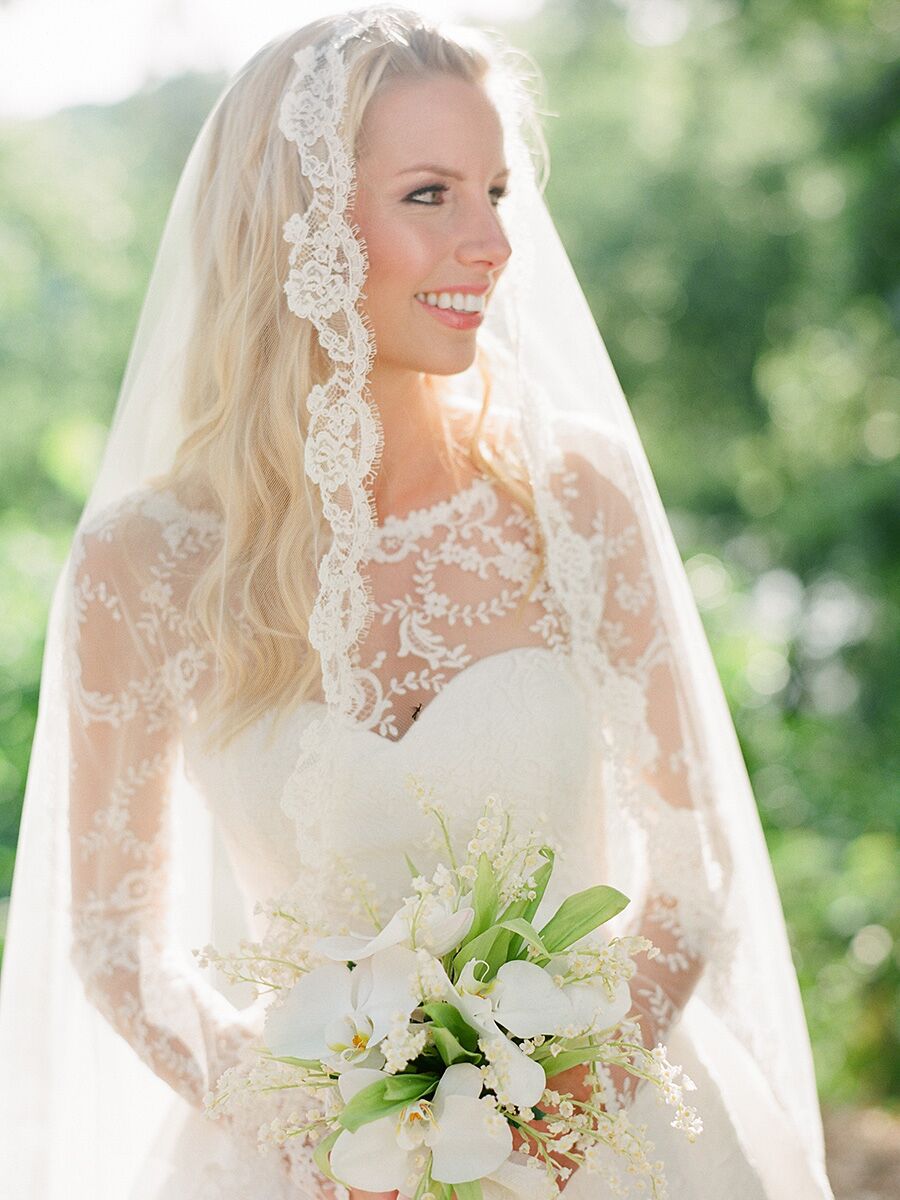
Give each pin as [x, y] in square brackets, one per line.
[452, 628]
[449, 586]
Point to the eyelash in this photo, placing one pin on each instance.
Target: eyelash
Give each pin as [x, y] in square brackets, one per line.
[499, 192]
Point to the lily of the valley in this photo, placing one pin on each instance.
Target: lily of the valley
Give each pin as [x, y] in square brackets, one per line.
[467, 1136]
[339, 1016]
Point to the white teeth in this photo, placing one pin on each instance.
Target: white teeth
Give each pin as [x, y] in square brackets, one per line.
[458, 301]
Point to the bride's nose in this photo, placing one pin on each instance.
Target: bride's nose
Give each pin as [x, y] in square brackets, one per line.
[483, 240]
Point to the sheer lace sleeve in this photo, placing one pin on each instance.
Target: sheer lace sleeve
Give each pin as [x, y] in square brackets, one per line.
[660, 779]
[124, 734]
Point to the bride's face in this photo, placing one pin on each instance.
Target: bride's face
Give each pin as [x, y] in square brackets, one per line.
[430, 179]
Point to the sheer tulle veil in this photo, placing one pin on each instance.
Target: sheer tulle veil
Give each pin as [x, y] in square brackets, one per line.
[79, 1113]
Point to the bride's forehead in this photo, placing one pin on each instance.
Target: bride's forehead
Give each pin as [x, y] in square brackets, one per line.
[434, 120]
[412, 110]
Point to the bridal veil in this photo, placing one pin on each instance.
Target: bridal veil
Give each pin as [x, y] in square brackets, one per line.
[79, 1109]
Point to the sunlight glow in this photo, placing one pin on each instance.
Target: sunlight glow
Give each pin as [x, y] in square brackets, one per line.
[57, 53]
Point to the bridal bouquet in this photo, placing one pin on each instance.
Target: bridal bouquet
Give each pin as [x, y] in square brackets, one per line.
[425, 1052]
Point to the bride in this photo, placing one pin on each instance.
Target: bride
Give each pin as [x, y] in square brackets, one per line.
[373, 508]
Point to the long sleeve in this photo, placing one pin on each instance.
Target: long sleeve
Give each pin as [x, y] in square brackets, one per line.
[659, 772]
[124, 741]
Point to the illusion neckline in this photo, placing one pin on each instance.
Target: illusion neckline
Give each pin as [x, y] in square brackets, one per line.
[393, 524]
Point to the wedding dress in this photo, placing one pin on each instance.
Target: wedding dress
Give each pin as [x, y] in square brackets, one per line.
[498, 711]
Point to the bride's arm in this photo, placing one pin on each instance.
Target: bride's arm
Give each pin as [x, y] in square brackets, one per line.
[685, 894]
[682, 907]
[124, 737]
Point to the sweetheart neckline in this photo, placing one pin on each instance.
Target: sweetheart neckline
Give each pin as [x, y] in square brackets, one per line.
[553, 655]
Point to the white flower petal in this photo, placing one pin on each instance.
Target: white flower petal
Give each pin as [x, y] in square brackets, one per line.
[297, 1027]
[348, 947]
[527, 1078]
[370, 1158]
[355, 1080]
[526, 1000]
[339, 1031]
[589, 998]
[460, 1079]
[515, 1180]
[465, 1145]
[373, 1060]
[355, 946]
[442, 935]
[392, 989]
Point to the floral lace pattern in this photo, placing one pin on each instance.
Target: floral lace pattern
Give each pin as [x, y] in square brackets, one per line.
[449, 584]
[327, 270]
[343, 441]
[449, 589]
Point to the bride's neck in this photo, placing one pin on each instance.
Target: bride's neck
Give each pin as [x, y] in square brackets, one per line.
[416, 459]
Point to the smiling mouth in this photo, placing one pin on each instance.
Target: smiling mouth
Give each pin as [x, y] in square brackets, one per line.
[460, 302]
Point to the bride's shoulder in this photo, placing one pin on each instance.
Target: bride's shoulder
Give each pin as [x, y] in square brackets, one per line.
[591, 452]
[148, 531]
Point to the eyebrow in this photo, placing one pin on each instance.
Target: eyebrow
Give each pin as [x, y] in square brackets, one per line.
[438, 170]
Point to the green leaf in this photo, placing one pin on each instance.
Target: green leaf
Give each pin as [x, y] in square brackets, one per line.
[294, 1062]
[485, 898]
[568, 1058]
[321, 1152]
[404, 1087]
[468, 1191]
[413, 870]
[449, 1017]
[450, 1049]
[539, 881]
[384, 1096]
[499, 943]
[483, 946]
[581, 913]
[527, 931]
[528, 908]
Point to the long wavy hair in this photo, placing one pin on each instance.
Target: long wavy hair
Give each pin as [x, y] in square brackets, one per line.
[252, 363]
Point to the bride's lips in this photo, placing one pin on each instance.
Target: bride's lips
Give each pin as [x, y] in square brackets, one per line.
[449, 316]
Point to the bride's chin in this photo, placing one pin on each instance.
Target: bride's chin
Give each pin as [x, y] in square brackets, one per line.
[454, 359]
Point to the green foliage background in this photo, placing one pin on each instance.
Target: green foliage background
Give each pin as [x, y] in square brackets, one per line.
[726, 202]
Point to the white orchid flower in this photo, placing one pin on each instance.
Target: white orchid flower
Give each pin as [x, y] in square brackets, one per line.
[438, 928]
[524, 1000]
[468, 1138]
[339, 1016]
[527, 1001]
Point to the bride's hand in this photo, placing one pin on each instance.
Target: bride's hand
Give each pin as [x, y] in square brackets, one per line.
[356, 1194]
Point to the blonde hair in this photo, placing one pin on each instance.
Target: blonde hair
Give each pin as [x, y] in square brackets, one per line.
[252, 363]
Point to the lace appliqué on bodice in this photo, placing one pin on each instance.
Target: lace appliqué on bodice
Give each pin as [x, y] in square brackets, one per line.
[449, 587]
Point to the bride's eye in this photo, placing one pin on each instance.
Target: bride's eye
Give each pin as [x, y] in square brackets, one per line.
[497, 192]
[423, 191]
